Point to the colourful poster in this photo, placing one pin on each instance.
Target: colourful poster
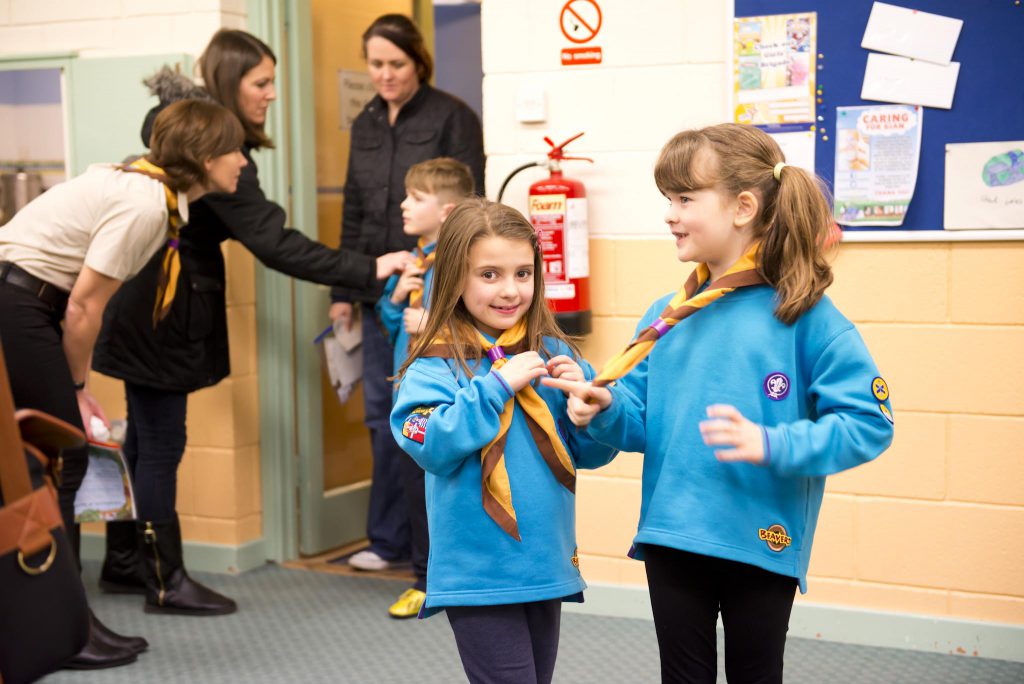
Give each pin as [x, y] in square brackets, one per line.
[774, 67]
[878, 149]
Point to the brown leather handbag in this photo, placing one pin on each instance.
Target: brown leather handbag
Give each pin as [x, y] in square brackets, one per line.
[44, 619]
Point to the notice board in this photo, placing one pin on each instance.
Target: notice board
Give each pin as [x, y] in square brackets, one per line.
[988, 104]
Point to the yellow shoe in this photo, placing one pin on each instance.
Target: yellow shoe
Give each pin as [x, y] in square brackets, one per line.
[408, 604]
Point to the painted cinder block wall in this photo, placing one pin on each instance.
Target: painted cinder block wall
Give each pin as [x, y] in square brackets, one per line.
[935, 527]
[219, 481]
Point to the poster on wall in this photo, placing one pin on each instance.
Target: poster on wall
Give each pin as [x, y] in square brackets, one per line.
[774, 68]
[984, 185]
[878, 149]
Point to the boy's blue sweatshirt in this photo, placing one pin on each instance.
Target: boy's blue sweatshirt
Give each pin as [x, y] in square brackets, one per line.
[812, 385]
[391, 313]
[473, 562]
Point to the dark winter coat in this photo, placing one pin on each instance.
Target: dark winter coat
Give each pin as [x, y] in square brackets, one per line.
[188, 350]
[432, 124]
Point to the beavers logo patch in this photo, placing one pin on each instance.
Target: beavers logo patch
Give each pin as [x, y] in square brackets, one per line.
[776, 386]
[776, 537]
[415, 426]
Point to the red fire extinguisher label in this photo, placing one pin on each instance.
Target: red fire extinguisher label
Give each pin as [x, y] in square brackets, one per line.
[548, 216]
[577, 247]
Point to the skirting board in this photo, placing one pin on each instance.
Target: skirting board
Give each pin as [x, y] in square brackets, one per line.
[846, 625]
[198, 556]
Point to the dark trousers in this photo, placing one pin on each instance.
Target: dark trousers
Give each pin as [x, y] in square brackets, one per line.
[154, 445]
[687, 592]
[510, 644]
[387, 522]
[41, 379]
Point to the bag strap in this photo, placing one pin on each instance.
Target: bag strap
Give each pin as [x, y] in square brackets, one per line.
[14, 480]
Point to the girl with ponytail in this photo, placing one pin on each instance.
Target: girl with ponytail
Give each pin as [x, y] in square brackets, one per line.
[786, 387]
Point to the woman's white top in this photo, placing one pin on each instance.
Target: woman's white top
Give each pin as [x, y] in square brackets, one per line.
[109, 220]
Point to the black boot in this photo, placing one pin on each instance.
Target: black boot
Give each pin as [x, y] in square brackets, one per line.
[169, 589]
[99, 652]
[121, 573]
[101, 632]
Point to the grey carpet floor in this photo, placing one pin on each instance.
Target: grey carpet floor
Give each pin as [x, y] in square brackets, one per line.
[300, 626]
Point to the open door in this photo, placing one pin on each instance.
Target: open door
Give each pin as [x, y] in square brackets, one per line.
[334, 444]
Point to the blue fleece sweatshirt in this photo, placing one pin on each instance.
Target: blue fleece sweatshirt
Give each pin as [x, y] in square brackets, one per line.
[391, 313]
[812, 385]
[443, 418]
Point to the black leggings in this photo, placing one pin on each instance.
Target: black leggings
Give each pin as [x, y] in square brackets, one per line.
[41, 379]
[687, 592]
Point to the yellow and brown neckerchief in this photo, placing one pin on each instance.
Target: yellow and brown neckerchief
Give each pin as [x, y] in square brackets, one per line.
[167, 282]
[495, 487]
[424, 262]
[684, 303]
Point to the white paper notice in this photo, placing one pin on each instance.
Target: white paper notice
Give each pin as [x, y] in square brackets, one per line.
[907, 81]
[910, 33]
[984, 185]
[797, 148]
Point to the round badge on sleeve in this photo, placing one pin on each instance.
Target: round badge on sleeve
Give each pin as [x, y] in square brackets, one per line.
[885, 412]
[880, 389]
[776, 386]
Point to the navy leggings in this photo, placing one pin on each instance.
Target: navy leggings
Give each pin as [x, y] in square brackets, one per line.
[153, 447]
[687, 592]
[510, 644]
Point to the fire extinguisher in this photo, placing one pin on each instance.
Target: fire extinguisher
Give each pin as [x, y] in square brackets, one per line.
[558, 212]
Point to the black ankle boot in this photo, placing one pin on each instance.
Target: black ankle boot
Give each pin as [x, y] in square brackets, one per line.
[103, 633]
[100, 653]
[169, 589]
[121, 573]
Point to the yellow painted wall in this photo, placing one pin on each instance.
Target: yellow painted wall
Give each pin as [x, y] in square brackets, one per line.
[935, 526]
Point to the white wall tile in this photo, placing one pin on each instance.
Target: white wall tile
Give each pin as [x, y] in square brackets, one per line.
[139, 8]
[83, 36]
[17, 39]
[47, 11]
[5, 12]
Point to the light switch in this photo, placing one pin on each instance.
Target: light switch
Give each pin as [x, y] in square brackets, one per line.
[531, 104]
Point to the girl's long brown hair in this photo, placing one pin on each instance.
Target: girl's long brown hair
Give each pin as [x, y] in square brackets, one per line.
[795, 218]
[470, 221]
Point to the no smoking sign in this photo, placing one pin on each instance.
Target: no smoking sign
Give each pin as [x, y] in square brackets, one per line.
[580, 21]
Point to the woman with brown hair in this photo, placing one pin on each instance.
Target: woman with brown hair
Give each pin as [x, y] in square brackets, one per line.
[188, 350]
[67, 252]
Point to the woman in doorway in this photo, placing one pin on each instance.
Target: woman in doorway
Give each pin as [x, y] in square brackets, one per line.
[64, 255]
[407, 122]
[161, 365]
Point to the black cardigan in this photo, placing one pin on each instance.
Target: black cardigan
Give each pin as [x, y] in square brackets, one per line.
[188, 350]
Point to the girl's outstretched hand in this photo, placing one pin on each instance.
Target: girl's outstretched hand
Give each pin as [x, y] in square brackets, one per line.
[565, 367]
[728, 427]
[585, 400]
[522, 369]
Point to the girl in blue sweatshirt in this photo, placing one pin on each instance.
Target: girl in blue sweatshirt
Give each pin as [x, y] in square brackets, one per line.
[785, 385]
[499, 453]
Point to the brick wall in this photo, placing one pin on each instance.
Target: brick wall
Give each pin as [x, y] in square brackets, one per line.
[934, 526]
